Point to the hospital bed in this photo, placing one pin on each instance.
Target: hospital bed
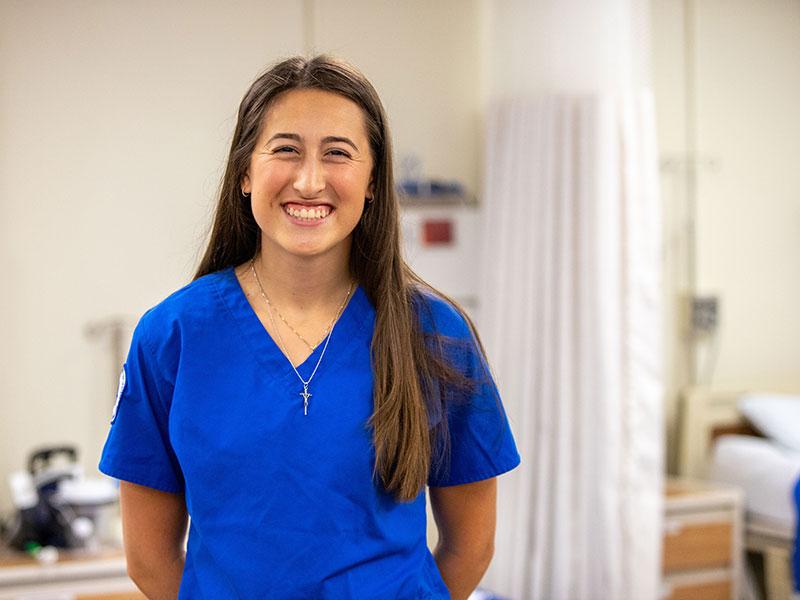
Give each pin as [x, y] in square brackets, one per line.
[716, 442]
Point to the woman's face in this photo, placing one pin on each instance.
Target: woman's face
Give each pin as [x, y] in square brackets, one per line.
[310, 173]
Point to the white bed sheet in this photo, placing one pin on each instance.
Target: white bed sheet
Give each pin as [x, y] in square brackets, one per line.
[766, 471]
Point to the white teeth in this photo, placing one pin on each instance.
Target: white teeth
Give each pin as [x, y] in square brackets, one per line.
[308, 214]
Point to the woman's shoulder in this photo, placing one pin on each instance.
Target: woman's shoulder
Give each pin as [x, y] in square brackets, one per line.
[188, 298]
[182, 310]
[439, 314]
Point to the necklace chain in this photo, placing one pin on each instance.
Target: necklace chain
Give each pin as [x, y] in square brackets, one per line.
[329, 333]
[297, 333]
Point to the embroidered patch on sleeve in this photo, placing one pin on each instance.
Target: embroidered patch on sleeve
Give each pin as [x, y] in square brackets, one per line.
[120, 389]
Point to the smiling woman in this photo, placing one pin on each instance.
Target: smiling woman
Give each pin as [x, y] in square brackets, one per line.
[299, 394]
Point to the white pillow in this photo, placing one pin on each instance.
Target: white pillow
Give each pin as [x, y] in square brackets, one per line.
[777, 416]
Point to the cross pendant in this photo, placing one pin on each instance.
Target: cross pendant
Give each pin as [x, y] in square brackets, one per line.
[305, 396]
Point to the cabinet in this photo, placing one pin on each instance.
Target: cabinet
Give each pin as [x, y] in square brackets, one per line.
[702, 542]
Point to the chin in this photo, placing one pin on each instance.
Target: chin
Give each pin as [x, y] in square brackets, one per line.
[309, 251]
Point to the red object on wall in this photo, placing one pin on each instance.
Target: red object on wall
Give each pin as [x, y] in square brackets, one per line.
[437, 232]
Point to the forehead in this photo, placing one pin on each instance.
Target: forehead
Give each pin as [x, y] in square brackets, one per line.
[311, 112]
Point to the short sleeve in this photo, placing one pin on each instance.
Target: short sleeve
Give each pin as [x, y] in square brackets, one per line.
[138, 447]
[481, 442]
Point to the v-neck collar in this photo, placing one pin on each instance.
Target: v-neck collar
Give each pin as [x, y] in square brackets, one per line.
[355, 316]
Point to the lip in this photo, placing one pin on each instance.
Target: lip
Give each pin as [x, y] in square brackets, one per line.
[299, 203]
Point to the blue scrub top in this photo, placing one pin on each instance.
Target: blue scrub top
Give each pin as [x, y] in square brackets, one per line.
[283, 504]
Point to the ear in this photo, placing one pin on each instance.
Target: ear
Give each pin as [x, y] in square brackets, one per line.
[245, 186]
[371, 189]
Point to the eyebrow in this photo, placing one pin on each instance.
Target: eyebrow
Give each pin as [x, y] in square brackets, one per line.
[325, 140]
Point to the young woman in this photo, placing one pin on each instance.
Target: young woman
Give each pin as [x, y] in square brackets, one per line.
[299, 394]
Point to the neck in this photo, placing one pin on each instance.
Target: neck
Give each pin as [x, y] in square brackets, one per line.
[304, 284]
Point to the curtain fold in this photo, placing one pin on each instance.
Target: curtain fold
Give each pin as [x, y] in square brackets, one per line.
[571, 317]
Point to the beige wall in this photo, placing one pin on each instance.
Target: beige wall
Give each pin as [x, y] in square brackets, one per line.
[115, 118]
[749, 210]
[669, 88]
[745, 90]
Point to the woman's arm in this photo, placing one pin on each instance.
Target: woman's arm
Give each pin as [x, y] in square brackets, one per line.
[154, 528]
[465, 516]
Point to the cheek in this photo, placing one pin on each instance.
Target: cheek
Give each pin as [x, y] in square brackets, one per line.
[351, 182]
[272, 177]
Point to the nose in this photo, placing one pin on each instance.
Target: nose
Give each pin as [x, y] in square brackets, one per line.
[309, 180]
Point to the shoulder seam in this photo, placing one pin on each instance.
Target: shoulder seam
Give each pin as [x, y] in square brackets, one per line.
[157, 368]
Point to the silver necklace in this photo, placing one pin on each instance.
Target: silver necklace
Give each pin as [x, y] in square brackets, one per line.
[305, 393]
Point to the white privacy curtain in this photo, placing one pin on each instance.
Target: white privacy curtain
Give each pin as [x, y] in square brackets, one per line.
[571, 317]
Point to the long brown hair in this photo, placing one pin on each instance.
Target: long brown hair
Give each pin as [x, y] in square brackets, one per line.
[413, 381]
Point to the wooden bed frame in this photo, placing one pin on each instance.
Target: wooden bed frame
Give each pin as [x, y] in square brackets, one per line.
[705, 414]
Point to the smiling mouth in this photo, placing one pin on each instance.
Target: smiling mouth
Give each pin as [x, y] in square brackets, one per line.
[307, 213]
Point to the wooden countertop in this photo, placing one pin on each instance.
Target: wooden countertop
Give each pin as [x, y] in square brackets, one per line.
[16, 558]
[20, 568]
